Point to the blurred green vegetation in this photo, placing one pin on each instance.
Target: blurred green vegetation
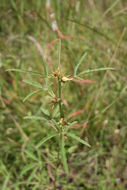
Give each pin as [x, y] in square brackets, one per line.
[99, 29]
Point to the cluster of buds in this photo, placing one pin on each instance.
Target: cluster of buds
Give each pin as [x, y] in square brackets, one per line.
[64, 79]
[57, 74]
[55, 100]
[63, 122]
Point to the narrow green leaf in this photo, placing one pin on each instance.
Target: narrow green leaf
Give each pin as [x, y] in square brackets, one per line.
[72, 149]
[6, 182]
[45, 111]
[14, 5]
[63, 155]
[46, 139]
[78, 139]
[45, 72]
[96, 70]
[24, 71]
[31, 94]
[56, 112]
[33, 83]
[33, 117]
[31, 155]
[56, 124]
[79, 63]
[28, 167]
[69, 125]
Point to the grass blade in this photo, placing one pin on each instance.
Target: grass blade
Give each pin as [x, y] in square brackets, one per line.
[78, 139]
[6, 182]
[96, 70]
[27, 168]
[79, 63]
[33, 117]
[32, 175]
[24, 71]
[63, 155]
[30, 94]
[44, 57]
[110, 8]
[31, 155]
[46, 139]
[33, 83]
[92, 28]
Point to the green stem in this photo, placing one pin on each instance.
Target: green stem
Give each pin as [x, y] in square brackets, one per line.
[60, 99]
